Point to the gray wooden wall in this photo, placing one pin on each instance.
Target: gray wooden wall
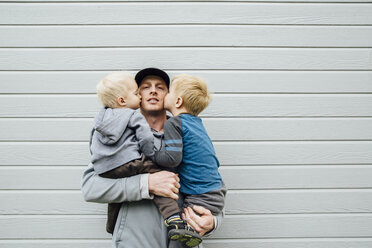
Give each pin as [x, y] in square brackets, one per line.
[290, 120]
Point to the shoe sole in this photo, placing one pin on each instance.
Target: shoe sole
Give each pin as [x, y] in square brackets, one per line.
[190, 239]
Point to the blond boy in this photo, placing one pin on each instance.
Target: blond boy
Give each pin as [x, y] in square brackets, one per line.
[119, 130]
[188, 145]
[120, 135]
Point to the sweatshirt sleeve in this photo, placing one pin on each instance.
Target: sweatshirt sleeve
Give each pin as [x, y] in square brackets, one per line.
[217, 223]
[106, 190]
[170, 155]
[143, 133]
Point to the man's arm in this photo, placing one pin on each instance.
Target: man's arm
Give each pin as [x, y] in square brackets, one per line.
[106, 190]
[135, 188]
[203, 222]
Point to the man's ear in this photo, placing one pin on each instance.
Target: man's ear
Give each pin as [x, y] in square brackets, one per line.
[121, 101]
[179, 102]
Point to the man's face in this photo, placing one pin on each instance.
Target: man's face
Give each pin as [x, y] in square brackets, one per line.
[153, 90]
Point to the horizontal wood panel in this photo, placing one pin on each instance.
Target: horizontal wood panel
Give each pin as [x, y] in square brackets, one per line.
[184, 35]
[235, 177]
[294, 152]
[297, 177]
[218, 81]
[191, 1]
[227, 105]
[35, 177]
[208, 243]
[44, 129]
[301, 1]
[95, 243]
[54, 203]
[257, 226]
[231, 243]
[298, 201]
[343, 225]
[229, 153]
[185, 58]
[250, 129]
[157, 13]
[237, 202]
[288, 243]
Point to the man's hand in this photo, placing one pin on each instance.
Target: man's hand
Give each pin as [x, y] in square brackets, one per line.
[203, 223]
[164, 183]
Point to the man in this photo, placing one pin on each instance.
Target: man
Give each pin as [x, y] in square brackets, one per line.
[139, 223]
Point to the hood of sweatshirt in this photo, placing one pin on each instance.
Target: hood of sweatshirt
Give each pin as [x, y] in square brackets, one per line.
[111, 123]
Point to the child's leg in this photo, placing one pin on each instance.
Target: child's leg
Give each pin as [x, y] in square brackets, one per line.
[129, 169]
[213, 200]
[167, 206]
[178, 229]
[113, 210]
[132, 168]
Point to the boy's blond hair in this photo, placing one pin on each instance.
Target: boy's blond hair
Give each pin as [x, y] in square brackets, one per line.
[112, 86]
[193, 91]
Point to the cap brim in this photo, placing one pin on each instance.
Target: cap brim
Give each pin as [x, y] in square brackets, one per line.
[152, 72]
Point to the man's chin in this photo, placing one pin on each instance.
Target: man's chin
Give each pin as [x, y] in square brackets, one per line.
[153, 110]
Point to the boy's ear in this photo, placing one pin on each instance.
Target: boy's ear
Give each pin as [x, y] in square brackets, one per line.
[121, 101]
[179, 102]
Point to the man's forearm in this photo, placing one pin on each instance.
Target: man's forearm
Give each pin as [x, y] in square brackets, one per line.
[106, 190]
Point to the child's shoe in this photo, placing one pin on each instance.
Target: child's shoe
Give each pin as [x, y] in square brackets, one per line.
[178, 229]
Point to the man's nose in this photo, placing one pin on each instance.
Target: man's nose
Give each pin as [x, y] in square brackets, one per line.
[153, 89]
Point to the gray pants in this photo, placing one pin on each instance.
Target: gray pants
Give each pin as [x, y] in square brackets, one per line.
[213, 200]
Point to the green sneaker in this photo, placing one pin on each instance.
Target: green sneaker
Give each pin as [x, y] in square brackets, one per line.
[178, 229]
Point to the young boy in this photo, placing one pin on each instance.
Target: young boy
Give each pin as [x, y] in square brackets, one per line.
[120, 134]
[186, 140]
[119, 138]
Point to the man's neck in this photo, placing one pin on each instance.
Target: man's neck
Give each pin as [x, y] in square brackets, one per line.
[156, 120]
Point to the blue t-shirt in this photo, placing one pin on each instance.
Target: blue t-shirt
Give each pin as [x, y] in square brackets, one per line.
[188, 146]
[199, 168]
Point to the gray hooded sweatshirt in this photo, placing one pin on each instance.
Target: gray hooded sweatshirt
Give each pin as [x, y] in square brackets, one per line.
[119, 136]
[139, 224]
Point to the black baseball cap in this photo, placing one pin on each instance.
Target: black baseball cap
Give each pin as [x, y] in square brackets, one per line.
[152, 72]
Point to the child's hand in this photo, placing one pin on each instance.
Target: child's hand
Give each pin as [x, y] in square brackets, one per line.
[202, 222]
